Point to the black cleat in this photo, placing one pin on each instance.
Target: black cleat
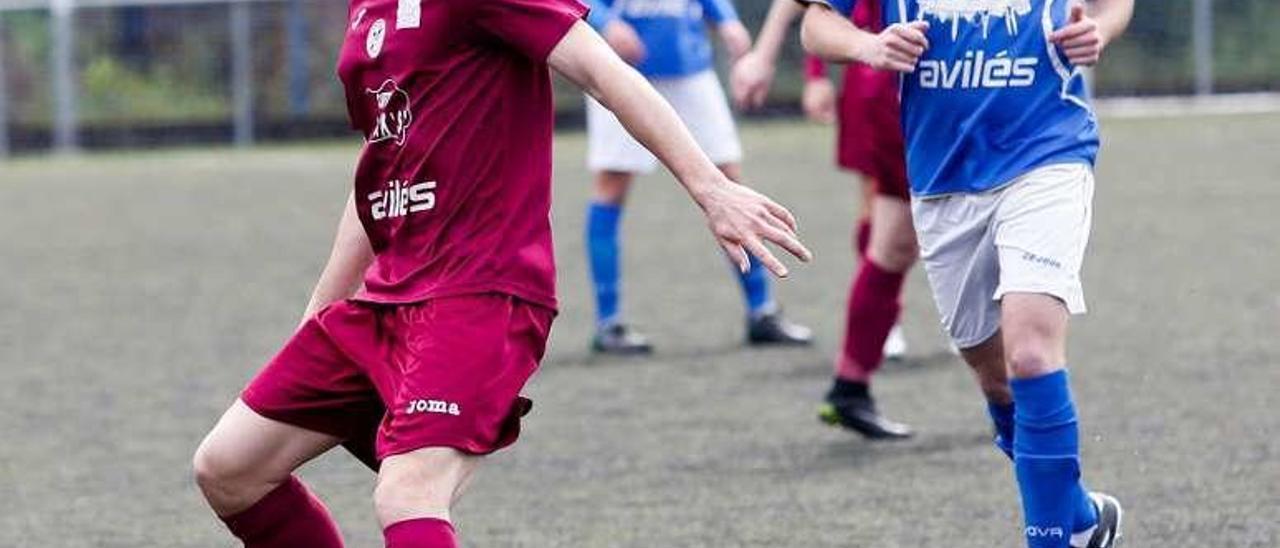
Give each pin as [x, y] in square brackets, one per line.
[858, 412]
[1110, 516]
[772, 329]
[619, 340]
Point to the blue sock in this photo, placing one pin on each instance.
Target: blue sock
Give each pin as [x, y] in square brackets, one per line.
[1086, 515]
[603, 254]
[755, 288]
[1047, 461]
[1002, 418]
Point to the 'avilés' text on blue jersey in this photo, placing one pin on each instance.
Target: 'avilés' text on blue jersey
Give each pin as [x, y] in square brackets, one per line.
[673, 31]
[991, 98]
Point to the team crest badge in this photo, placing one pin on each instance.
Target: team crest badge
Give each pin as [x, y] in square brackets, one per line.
[377, 35]
[394, 114]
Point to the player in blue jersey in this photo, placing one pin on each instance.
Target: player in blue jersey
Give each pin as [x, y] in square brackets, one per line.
[1001, 142]
[667, 41]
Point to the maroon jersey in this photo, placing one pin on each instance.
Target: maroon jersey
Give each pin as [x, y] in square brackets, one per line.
[453, 185]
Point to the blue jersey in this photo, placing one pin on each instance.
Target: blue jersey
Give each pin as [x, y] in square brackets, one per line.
[673, 31]
[991, 98]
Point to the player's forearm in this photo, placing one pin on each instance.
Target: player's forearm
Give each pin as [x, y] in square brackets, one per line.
[833, 37]
[586, 60]
[348, 261]
[1112, 16]
[774, 32]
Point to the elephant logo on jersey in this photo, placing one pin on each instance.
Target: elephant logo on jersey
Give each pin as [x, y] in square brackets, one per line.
[975, 11]
[394, 116]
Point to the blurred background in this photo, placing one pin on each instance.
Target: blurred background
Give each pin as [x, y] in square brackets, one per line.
[127, 73]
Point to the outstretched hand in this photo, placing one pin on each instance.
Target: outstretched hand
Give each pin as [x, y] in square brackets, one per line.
[1081, 39]
[899, 46]
[742, 220]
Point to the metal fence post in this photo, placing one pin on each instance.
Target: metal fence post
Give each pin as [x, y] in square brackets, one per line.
[62, 72]
[241, 72]
[1202, 44]
[4, 98]
[299, 44]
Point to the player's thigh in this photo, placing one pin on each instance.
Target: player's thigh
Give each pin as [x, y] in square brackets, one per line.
[610, 147]
[701, 103]
[1034, 333]
[423, 483]
[246, 455]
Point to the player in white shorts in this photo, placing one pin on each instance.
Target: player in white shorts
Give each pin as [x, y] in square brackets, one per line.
[667, 41]
[1001, 143]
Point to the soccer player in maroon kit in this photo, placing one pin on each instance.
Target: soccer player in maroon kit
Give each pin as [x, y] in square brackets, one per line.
[434, 308]
[869, 143]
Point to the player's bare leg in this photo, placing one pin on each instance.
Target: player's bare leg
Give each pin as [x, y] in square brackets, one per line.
[765, 323]
[1045, 438]
[244, 468]
[874, 306]
[416, 492]
[604, 217]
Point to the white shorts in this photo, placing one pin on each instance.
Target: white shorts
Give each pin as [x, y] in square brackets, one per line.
[1026, 237]
[700, 102]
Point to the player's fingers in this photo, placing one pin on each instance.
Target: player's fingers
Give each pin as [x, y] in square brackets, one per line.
[911, 33]
[901, 63]
[787, 240]
[781, 213]
[757, 249]
[1091, 49]
[905, 47]
[737, 255]
[1073, 31]
[758, 97]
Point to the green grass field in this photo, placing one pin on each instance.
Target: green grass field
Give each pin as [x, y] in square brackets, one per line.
[142, 290]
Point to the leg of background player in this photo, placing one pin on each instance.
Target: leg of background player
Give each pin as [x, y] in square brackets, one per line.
[873, 309]
[415, 494]
[765, 323]
[604, 217]
[244, 468]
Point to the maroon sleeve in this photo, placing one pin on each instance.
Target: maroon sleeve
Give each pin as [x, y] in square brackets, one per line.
[532, 27]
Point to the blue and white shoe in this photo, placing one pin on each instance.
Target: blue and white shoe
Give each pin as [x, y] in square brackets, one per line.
[1107, 533]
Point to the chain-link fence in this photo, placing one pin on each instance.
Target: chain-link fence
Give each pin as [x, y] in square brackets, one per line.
[98, 73]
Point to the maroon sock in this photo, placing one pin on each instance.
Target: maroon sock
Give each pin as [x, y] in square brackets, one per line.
[874, 305]
[862, 238]
[420, 533]
[288, 516]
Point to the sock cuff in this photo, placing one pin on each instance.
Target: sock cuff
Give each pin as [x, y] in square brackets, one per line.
[419, 523]
[881, 281]
[420, 533]
[268, 510]
[1043, 399]
[601, 208]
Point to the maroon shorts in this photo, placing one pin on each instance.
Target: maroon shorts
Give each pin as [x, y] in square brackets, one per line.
[389, 379]
[870, 131]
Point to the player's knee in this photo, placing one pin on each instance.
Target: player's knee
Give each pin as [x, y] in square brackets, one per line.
[611, 187]
[214, 473]
[899, 252]
[222, 477]
[1030, 359]
[401, 496]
